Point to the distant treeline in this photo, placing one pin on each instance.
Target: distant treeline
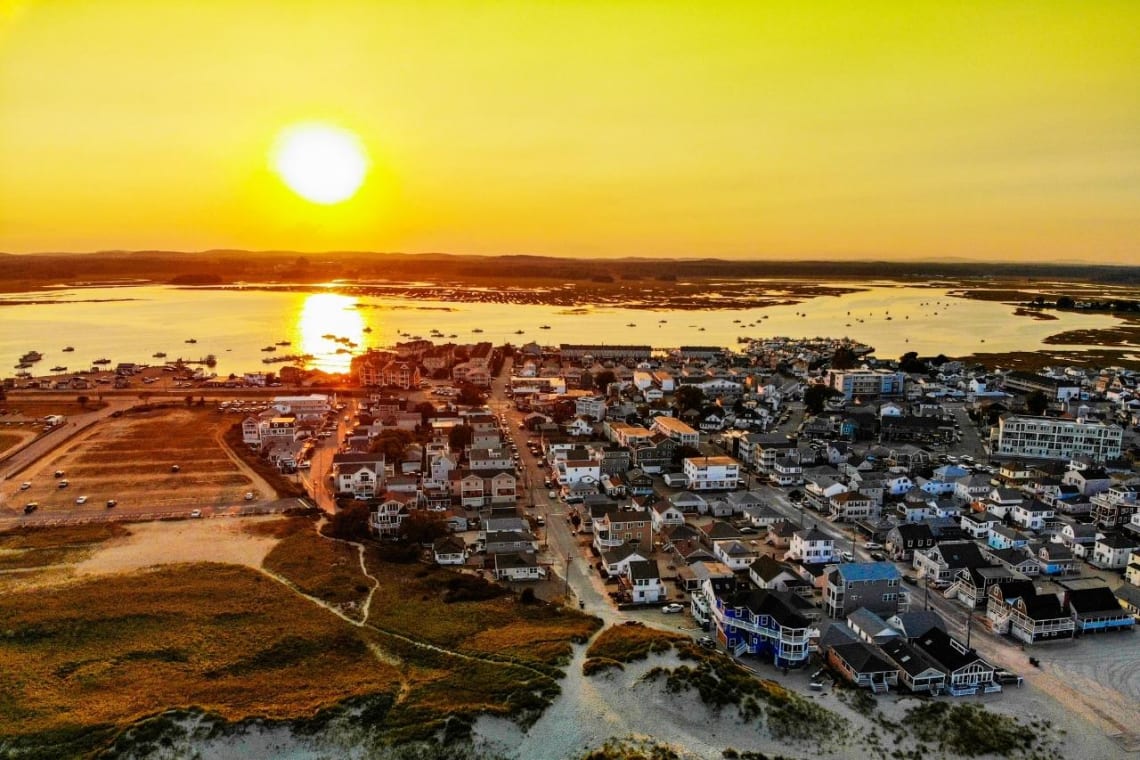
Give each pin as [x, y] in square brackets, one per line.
[222, 266]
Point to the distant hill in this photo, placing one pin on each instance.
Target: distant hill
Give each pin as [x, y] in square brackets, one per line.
[222, 266]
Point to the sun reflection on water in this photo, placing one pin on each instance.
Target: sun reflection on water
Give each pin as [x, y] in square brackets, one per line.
[331, 331]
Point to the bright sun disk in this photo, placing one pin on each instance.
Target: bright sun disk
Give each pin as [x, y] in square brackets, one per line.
[321, 163]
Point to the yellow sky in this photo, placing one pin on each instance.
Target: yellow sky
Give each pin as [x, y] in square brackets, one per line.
[991, 130]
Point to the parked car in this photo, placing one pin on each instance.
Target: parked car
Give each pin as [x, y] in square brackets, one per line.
[872, 545]
[847, 556]
[111, 503]
[30, 507]
[552, 495]
[249, 495]
[81, 500]
[59, 474]
[174, 468]
[64, 484]
[672, 609]
[25, 485]
[878, 556]
[195, 513]
[707, 642]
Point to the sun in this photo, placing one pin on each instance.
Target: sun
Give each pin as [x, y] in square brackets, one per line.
[319, 162]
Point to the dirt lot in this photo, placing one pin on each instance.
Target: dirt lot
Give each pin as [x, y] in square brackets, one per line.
[130, 459]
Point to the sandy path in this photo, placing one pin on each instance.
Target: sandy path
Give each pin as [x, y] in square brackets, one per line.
[164, 543]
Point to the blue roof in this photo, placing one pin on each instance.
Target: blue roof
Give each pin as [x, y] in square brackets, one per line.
[868, 571]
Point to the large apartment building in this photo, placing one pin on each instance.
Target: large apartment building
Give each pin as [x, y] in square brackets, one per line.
[866, 382]
[677, 430]
[1050, 438]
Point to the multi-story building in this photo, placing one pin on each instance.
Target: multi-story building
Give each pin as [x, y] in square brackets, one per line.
[1050, 438]
[769, 624]
[1054, 389]
[869, 585]
[623, 526]
[811, 546]
[602, 351]
[303, 407]
[1115, 507]
[360, 475]
[866, 382]
[717, 473]
[677, 430]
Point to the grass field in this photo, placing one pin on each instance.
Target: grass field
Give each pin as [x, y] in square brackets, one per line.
[465, 613]
[26, 548]
[129, 459]
[8, 440]
[329, 570]
[227, 639]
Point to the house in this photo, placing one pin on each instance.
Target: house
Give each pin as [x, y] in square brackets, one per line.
[644, 580]
[509, 541]
[942, 561]
[449, 550]
[711, 577]
[663, 515]
[616, 561]
[780, 535]
[1132, 571]
[852, 506]
[966, 672]
[1089, 481]
[1001, 537]
[386, 518]
[769, 573]
[359, 475]
[1111, 551]
[689, 502]
[869, 627]
[1056, 559]
[972, 584]
[1079, 538]
[863, 665]
[811, 546]
[639, 482]
[1032, 515]
[914, 623]
[917, 671]
[761, 515]
[904, 540]
[735, 554]
[483, 488]
[615, 527]
[655, 453]
[979, 524]
[715, 473]
[1015, 607]
[871, 585]
[1114, 507]
[767, 624]
[517, 566]
[1096, 610]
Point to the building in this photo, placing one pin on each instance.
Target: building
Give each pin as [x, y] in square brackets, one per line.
[309, 407]
[601, 351]
[360, 476]
[718, 473]
[1114, 507]
[862, 585]
[1015, 607]
[1051, 438]
[677, 430]
[644, 578]
[866, 382]
[811, 546]
[1055, 389]
[768, 624]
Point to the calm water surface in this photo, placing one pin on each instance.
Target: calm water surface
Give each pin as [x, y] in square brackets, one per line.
[235, 325]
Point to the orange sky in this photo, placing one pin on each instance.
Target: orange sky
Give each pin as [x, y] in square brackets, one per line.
[988, 130]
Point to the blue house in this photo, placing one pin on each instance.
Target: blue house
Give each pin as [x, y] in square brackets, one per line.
[1096, 610]
[768, 624]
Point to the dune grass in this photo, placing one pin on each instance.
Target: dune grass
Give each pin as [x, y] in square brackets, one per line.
[328, 570]
[632, 641]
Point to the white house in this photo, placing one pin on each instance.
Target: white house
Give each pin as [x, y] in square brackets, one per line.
[712, 473]
[449, 550]
[737, 555]
[517, 566]
[361, 475]
[574, 472]
[1032, 515]
[811, 546]
[1111, 552]
[664, 516]
[645, 584]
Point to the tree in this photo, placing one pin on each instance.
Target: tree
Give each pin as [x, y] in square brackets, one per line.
[426, 410]
[603, 379]
[350, 523]
[469, 395]
[909, 362]
[843, 358]
[683, 452]
[689, 397]
[189, 400]
[586, 382]
[423, 527]
[82, 401]
[1037, 402]
[816, 395]
[1065, 302]
[392, 443]
[460, 437]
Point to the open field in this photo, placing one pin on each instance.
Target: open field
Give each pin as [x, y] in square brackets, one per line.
[106, 652]
[467, 614]
[14, 437]
[130, 459]
[327, 569]
[22, 549]
[37, 408]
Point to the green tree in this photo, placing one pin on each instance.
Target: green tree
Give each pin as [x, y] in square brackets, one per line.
[909, 362]
[816, 395]
[1037, 402]
[460, 437]
[423, 527]
[350, 523]
[688, 397]
[392, 443]
[469, 395]
[586, 382]
[1065, 302]
[82, 401]
[603, 379]
[843, 358]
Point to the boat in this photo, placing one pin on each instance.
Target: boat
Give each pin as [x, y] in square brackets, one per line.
[102, 361]
[269, 348]
[631, 324]
[329, 336]
[68, 349]
[518, 332]
[31, 356]
[191, 340]
[453, 335]
[159, 354]
[59, 369]
[367, 329]
[477, 330]
[544, 327]
[23, 365]
[284, 343]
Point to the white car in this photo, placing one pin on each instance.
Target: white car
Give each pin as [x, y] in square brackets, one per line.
[249, 495]
[81, 500]
[672, 609]
[196, 513]
[552, 495]
[25, 485]
[872, 545]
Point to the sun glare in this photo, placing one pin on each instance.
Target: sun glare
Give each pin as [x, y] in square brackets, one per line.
[331, 330]
[321, 163]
